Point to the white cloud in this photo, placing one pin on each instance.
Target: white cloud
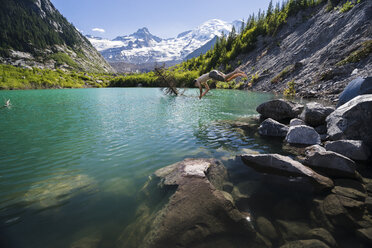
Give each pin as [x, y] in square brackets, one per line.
[101, 30]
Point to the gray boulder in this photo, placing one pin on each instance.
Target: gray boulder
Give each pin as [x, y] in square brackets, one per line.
[353, 149]
[296, 122]
[302, 134]
[183, 204]
[331, 163]
[359, 86]
[285, 166]
[314, 114]
[279, 109]
[270, 127]
[352, 120]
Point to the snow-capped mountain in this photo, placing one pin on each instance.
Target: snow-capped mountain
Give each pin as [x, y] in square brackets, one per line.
[143, 47]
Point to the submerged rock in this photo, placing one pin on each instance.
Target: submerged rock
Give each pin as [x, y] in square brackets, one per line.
[266, 228]
[331, 163]
[365, 234]
[322, 235]
[314, 113]
[353, 149]
[279, 109]
[310, 243]
[302, 134]
[293, 230]
[285, 166]
[185, 207]
[352, 120]
[270, 127]
[57, 190]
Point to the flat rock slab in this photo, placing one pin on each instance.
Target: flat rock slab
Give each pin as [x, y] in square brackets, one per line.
[270, 127]
[285, 166]
[302, 134]
[353, 149]
[331, 163]
[279, 109]
[352, 120]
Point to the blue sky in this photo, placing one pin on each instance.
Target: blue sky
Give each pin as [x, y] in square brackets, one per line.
[164, 18]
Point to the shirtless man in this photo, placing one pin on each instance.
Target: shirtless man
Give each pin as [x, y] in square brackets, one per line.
[216, 75]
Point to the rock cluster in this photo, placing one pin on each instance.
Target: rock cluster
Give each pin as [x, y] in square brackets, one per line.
[193, 203]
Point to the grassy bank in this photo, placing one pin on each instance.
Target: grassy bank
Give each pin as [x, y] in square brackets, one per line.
[12, 77]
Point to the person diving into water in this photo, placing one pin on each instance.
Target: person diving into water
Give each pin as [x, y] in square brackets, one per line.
[216, 75]
[7, 104]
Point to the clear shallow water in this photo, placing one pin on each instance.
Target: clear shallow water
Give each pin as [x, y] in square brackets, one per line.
[72, 161]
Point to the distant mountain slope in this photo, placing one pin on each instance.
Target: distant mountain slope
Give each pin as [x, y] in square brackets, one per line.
[34, 33]
[142, 47]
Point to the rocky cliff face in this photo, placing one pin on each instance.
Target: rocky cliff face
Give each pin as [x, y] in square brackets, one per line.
[42, 37]
[320, 50]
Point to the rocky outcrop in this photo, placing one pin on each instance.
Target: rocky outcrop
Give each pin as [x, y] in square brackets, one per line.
[352, 120]
[314, 114]
[285, 166]
[302, 134]
[315, 38]
[353, 149]
[186, 207]
[279, 109]
[270, 127]
[331, 163]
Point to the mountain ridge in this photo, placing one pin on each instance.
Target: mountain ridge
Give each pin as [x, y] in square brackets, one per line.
[143, 47]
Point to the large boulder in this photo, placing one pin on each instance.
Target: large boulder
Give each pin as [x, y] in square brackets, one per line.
[270, 127]
[353, 149]
[352, 120]
[302, 134]
[359, 86]
[285, 166]
[279, 109]
[314, 114]
[184, 206]
[331, 163]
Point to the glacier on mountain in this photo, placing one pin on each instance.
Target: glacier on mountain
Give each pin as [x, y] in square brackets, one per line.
[143, 47]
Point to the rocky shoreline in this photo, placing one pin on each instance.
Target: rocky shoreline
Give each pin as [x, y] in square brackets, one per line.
[319, 195]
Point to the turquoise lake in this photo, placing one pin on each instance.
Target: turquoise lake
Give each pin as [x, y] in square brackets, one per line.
[72, 161]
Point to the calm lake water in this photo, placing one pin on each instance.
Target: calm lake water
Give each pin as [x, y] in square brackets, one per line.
[72, 161]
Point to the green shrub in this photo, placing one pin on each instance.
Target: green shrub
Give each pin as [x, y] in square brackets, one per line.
[290, 91]
[364, 51]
